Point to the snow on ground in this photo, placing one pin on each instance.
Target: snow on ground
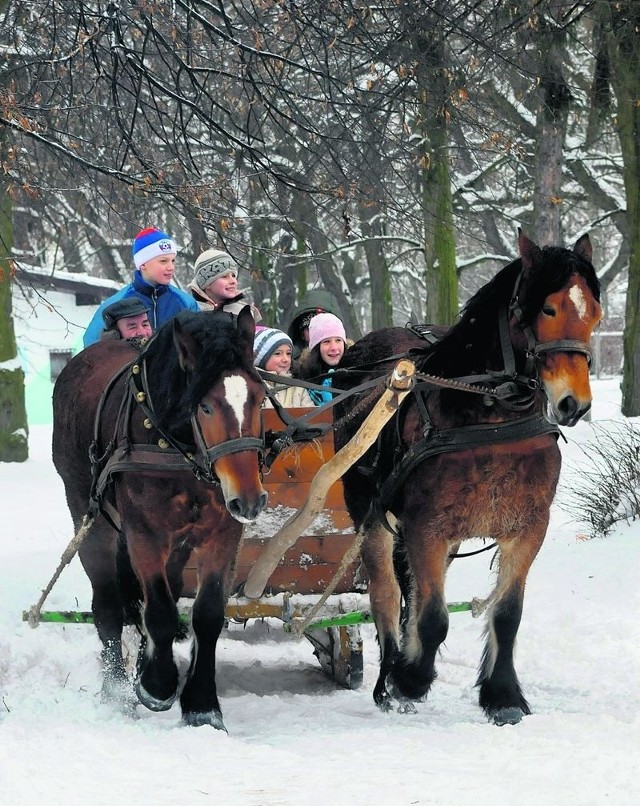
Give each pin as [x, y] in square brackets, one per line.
[294, 738]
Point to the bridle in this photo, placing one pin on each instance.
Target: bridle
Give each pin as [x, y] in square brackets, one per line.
[202, 460]
[535, 348]
[167, 453]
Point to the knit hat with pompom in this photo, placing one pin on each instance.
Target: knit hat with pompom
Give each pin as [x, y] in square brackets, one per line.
[150, 243]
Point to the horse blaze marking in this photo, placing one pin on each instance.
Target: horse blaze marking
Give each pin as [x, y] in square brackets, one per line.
[237, 393]
[577, 297]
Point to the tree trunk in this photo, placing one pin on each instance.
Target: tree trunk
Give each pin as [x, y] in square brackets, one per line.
[439, 242]
[551, 127]
[378, 269]
[624, 51]
[435, 173]
[14, 431]
[309, 230]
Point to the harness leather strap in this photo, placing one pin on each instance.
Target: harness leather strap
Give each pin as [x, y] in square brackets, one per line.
[461, 438]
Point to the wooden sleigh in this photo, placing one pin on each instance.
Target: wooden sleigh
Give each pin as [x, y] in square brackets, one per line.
[309, 565]
[299, 562]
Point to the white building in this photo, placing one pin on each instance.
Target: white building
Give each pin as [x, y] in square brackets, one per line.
[51, 313]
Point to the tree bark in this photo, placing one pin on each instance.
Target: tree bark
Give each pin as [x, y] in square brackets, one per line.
[14, 431]
[435, 172]
[377, 266]
[553, 110]
[624, 51]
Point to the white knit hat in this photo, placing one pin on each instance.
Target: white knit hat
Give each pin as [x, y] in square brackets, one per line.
[266, 342]
[325, 326]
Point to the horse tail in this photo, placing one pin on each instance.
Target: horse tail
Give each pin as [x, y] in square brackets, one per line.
[128, 586]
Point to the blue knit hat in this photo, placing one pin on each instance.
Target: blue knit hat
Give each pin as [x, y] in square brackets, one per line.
[150, 243]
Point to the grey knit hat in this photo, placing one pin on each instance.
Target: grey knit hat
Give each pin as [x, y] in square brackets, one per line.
[266, 342]
[210, 265]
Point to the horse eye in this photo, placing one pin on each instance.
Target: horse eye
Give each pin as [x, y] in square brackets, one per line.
[205, 408]
[547, 310]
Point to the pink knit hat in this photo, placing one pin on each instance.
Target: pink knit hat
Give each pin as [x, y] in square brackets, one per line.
[325, 326]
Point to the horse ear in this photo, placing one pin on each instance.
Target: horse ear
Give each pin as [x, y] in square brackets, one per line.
[246, 331]
[185, 347]
[528, 250]
[583, 248]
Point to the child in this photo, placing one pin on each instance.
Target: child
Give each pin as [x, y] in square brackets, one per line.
[215, 284]
[327, 343]
[272, 352]
[154, 256]
[314, 302]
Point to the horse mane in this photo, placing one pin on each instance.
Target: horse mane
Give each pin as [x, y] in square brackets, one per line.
[472, 338]
[220, 346]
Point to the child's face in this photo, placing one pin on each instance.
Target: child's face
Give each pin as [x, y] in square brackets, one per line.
[223, 287]
[280, 360]
[332, 350]
[159, 270]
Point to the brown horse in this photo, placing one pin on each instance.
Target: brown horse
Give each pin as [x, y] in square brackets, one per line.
[470, 454]
[166, 444]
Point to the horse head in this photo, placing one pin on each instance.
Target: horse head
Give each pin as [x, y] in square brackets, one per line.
[556, 308]
[226, 395]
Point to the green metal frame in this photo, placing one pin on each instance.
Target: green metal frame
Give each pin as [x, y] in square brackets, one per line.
[257, 609]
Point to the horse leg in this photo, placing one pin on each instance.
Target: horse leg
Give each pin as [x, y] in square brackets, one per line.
[157, 679]
[98, 557]
[199, 698]
[428, 620]
[500, 693]
[384, 595]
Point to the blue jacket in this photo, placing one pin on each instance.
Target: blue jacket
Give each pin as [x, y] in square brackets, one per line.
[165, 301]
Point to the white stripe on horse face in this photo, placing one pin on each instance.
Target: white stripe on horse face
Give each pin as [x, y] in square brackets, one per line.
[236, 392]
[576, 296]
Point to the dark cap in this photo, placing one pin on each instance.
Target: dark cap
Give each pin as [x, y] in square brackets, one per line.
[129, 306]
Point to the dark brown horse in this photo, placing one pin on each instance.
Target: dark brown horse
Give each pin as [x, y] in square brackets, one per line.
[460, 462]
[166, 442]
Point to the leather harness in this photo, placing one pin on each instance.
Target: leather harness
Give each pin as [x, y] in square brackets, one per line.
[168, 454]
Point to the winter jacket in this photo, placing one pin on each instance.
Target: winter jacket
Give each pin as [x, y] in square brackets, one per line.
[291, 397]
[165, 301]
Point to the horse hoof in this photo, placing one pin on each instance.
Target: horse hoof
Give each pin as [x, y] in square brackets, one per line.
[196, 720]
[118, 694]
[406, 707]
[384, 704]
[507, 716]
[153, 703]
